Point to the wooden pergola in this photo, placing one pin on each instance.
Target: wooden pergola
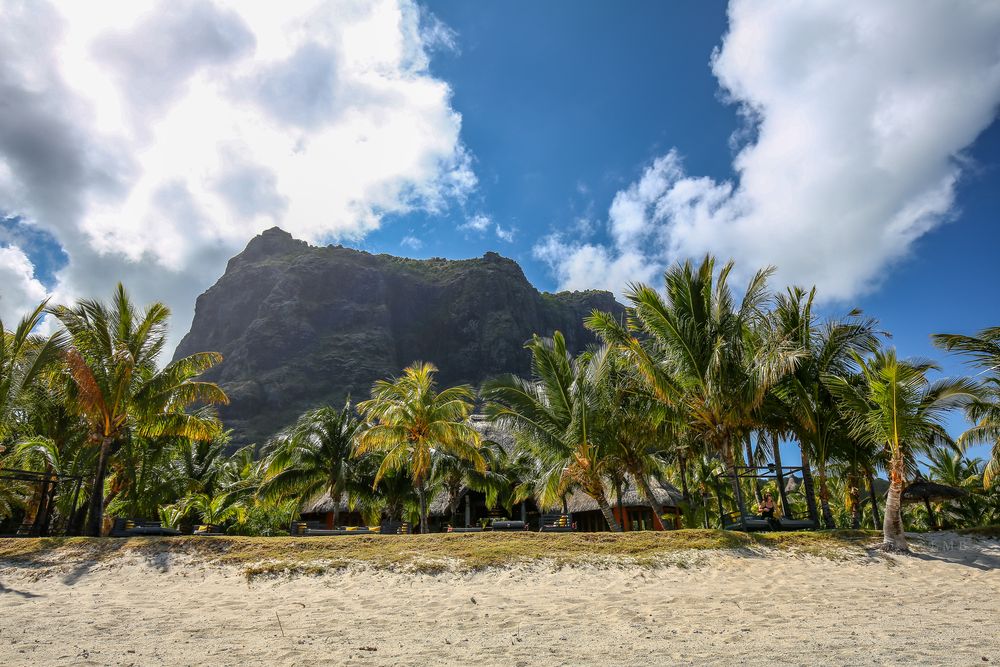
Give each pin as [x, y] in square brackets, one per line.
[757, 474]
[47, 483]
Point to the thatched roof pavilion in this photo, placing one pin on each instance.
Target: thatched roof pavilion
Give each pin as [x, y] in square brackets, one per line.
[926, 491]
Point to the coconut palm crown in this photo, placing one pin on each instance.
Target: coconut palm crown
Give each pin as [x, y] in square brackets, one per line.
[410, 419]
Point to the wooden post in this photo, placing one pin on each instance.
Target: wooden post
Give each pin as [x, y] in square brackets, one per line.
[876, 517]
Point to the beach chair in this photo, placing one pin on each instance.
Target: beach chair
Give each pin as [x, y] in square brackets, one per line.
[208, 530]
[796, 524]
[315, 529]
[556, 523]
[394, 528]
[122, 527]
[505, 525]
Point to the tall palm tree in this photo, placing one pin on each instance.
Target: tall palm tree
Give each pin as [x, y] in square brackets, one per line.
[896, 407]
[555, 416]
[114, 382]
[983, 351]
[701, 352]
[315, 456]
[410, 419]
[822, 349]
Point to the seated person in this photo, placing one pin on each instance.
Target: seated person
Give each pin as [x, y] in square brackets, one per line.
[766, 507]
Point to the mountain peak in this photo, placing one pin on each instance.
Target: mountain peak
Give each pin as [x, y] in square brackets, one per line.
[270, 242]
[301, 326]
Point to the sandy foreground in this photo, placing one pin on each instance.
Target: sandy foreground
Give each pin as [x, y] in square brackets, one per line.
[939, 607]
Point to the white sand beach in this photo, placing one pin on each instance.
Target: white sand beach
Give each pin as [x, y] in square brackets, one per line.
[941, 606]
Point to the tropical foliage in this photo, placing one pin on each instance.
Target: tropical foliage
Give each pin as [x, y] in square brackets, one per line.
[694, 383]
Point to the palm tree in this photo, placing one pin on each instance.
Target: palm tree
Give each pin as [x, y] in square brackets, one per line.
[314, 457]
[213, 510]
[23, 358]
[700, 352]
[822, 349]
[113, 381]
[896, 407]
[983, 351]
[393, 497]
[451, 474]
[411, 419]
[555, 415]
[196, 465]
[636, 426]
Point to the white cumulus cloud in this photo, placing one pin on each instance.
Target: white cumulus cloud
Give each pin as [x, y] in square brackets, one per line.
[20, 291]
[152, 140]
[859, 114]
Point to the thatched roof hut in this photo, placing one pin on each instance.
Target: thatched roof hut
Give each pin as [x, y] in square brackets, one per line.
[666, 495]
[925, 491]
[922, 490]
[322, 504]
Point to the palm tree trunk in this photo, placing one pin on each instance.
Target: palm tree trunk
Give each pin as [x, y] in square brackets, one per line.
[930, 514]
[335, 497]
[750, 464]
[78, 514]
[454, 495]
[854, 494]
[609, 516]
[422, 494]
[786, 508]
[892, 526]
[95, 513]
[40, 503]
[729, 459]
[876, 519]
[682, 464]
[49, 511]
[647, 491]
[807, 482]
[824, 497]
[618, 498]
[42, 492]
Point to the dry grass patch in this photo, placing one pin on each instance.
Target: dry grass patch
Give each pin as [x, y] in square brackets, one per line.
[432, 554]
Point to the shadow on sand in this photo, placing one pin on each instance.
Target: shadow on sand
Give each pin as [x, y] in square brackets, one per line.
[25, 594]
[977, 554]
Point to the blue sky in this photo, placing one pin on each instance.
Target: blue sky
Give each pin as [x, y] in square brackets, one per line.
[852, 144]
[560, 124]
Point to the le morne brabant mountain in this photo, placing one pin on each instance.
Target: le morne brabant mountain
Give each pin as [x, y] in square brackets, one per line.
[301, 326]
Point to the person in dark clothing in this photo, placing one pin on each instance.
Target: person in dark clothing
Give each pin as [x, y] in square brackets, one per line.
[766, 507]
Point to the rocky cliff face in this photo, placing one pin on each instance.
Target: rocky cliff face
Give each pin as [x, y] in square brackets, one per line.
[300, 326]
